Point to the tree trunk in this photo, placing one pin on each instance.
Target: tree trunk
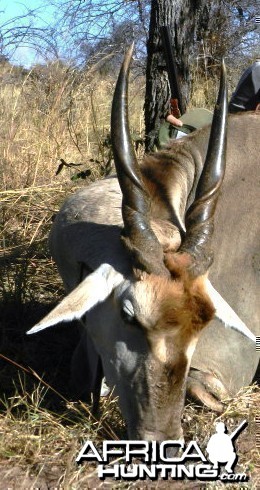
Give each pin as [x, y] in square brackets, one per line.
[183, 17]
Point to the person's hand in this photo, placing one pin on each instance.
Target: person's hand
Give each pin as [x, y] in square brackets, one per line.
[173, 120]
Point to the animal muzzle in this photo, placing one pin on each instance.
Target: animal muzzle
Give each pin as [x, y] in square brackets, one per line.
[172, 449]
[159, 436]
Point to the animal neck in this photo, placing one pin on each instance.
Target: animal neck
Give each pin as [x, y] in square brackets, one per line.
[171, 178]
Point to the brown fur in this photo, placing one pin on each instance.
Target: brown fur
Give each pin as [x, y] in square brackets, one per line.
[191, 310]
[164, 176]
[179, 302]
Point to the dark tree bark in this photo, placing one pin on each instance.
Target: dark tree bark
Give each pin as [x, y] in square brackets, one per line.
[185, 18]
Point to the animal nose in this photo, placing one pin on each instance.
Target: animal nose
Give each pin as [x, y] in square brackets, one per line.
[169, 451]
[174, 451]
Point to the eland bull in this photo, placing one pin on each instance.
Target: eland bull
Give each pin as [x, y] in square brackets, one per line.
[136, 265]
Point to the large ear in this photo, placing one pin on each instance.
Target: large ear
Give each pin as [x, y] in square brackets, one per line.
[91, 291]
[226, 314]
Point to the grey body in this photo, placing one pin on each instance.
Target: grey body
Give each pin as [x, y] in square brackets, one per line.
[235, 272]
[87, 232]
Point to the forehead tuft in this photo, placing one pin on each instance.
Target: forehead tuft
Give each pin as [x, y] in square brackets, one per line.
[163, 303]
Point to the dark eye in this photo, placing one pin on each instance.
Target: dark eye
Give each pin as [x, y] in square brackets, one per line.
[127, 318]
[127, 312]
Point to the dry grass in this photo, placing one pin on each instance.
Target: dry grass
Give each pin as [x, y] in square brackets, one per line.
[39, 447]
[51, 113]
[55, 112]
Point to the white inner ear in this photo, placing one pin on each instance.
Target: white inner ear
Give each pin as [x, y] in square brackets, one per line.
[226, 314]
[94, 289]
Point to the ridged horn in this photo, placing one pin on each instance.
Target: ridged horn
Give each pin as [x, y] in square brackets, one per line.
[138, 235]
[200, 216]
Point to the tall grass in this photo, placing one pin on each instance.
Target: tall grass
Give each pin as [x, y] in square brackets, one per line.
[49, 113]
[55, 112]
